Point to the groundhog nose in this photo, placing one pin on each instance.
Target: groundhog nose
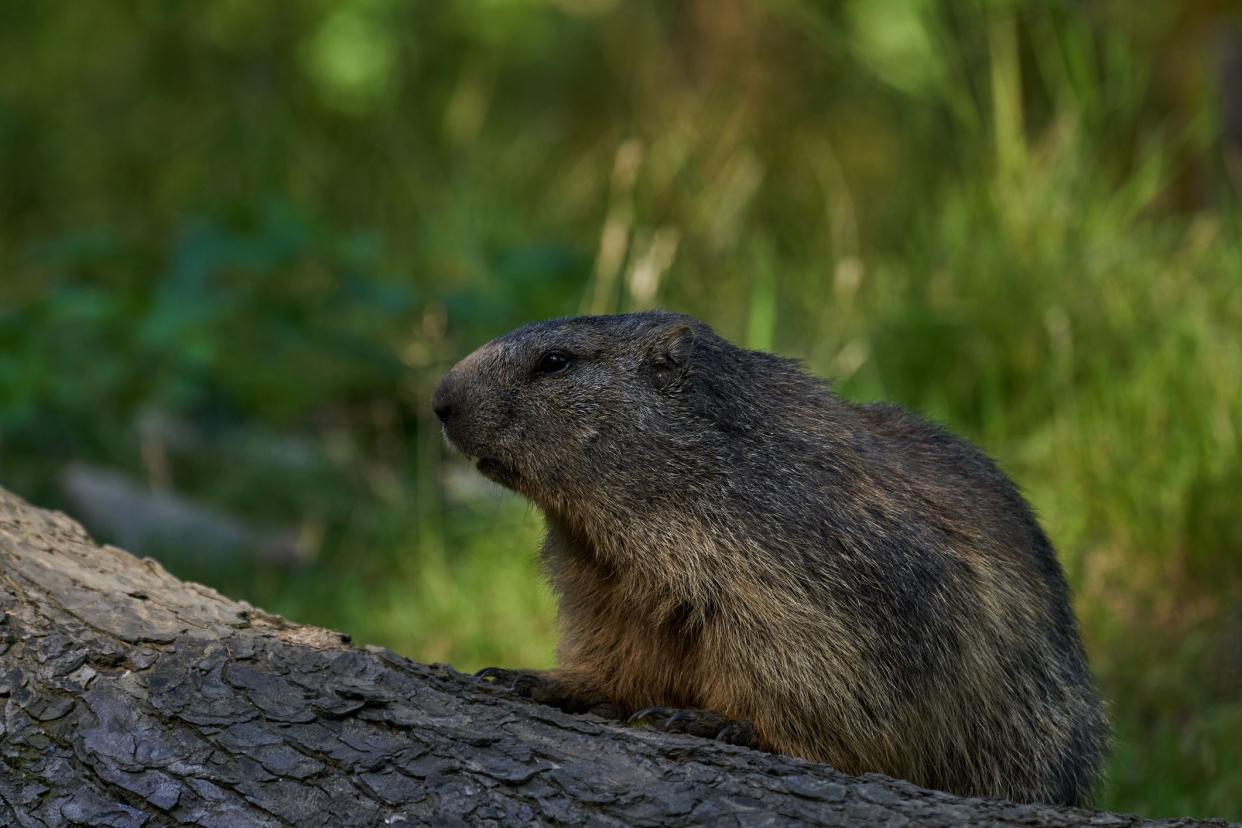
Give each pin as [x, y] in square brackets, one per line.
[441, 400]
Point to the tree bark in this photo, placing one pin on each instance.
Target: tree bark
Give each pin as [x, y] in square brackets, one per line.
[132, 698]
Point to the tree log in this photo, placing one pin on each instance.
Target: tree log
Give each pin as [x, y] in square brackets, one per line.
[132, 698]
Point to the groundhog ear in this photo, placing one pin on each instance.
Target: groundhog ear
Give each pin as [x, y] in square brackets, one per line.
[669, 355]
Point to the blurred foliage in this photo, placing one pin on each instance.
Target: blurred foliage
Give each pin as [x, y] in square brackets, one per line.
[240, 241]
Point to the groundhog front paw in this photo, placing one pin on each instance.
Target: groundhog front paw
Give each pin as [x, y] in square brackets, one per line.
[698, 723]
[524, 683]
[550, 690]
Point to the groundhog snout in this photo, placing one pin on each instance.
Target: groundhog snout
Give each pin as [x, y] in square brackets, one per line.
[468, 420]
[453, 409]
[442, 401]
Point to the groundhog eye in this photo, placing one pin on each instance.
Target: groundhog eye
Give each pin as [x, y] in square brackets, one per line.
[552, 363]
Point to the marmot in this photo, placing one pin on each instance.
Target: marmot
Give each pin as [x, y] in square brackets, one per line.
[726, 534]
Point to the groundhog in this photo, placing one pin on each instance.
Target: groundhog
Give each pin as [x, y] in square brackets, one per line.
[846, 583]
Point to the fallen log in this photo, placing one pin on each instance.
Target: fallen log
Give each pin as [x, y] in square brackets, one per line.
[131, 698]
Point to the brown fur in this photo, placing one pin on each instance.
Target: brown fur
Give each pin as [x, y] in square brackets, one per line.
[725, 534]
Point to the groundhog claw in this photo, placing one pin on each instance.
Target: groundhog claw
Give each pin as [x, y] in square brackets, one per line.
[490, 673]
[649, 713]
[702, 723]
[738, 733]
[545, 689]
[515, 680]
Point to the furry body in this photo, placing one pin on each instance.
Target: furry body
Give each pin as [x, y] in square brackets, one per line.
[725, 533]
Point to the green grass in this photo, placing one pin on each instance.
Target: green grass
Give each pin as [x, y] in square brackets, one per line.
[479, 603]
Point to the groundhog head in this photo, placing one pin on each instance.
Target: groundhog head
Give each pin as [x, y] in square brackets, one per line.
[559, 409]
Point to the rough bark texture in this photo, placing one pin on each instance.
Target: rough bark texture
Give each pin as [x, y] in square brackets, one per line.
[131, 698]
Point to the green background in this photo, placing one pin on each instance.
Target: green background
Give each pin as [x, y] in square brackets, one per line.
[240, 241]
